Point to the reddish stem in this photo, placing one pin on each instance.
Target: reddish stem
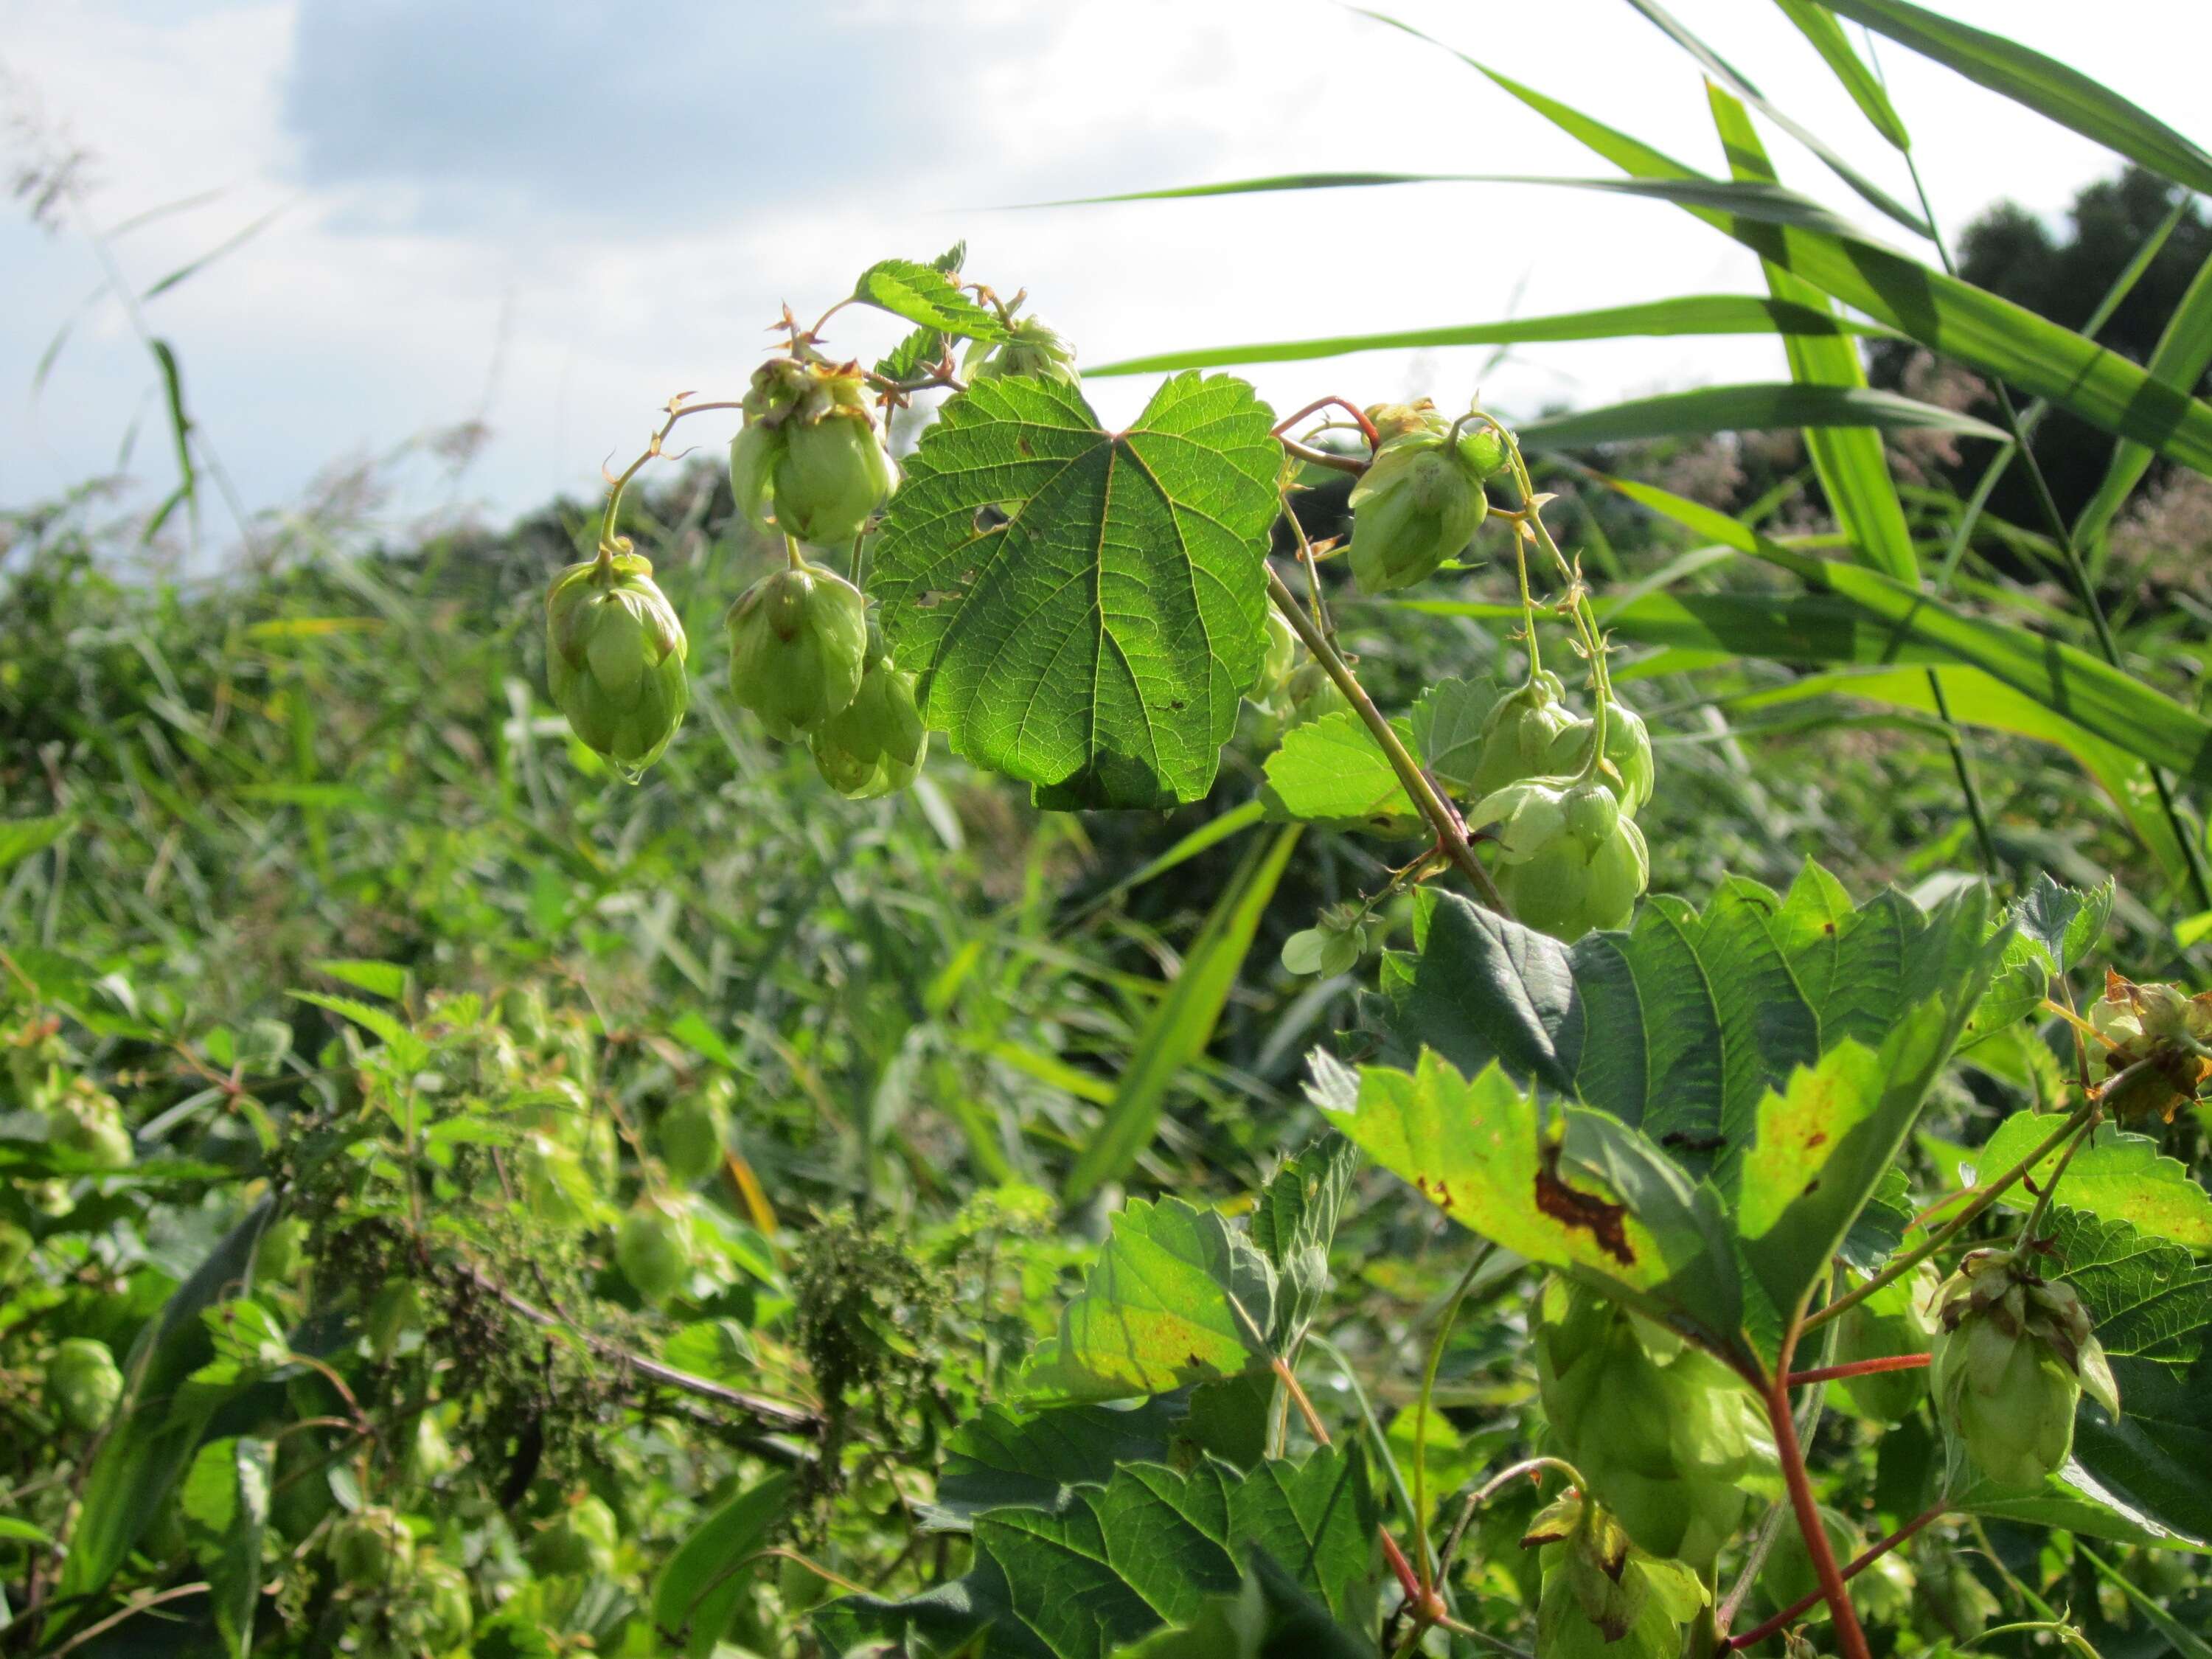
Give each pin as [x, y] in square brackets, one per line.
[1859, 1564]
[1896, 1362]
[1849, 1636]
[1357, 414]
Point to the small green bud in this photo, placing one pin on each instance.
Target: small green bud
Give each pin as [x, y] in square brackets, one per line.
[1311, 694]
[1518, 735]
[1419, 504]
[655, 1247]
[2012, 1355]
[87, 1121]
[799, 643]
[83, 1384]
[579, 1540]
[1628, 772]
[1341, 935]
[875, 744]
[372, 1549]
[1032, 347]
[276, 1258]
[1899, 1318]
[812, 452]
[614, 659]
[694, 1128]
[1571, 860]
[1276, 663]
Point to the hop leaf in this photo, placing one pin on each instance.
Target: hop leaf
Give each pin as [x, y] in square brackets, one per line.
[614, 658]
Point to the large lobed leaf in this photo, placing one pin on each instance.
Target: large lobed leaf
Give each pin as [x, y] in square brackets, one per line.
[1152, 1547]
[1085, 608]
[2152, 1301]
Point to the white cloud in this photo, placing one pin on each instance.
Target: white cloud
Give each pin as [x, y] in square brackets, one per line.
[456, 193]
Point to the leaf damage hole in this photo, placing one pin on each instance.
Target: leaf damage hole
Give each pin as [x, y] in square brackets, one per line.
[1606, 1221]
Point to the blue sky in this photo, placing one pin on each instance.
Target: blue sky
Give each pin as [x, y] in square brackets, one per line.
[553, 214]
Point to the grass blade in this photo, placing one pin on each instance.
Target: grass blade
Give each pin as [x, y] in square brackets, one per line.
[1182, 1025]
[1752, 406]
[2179, 359]
[1725, 75]
[2043, 84]
[1686, 315]
[1819, 26]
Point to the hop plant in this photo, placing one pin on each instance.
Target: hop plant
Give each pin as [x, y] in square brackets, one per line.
[433, 1614]
[579, 1541]
[1518, 734]
[876, 743]
[83, 1384]
[655, 1247]
[85, 1119]
[1310, 693]
[1883, 1592]
[799, 646]
[1031, 347]
[1419, 503]
[2013, 1354]
[372, 1549]
[2157, 1051]
[1269, 692]
[1572, 859]
[1339, 936]
[1898, 1318]
[694, 1128]
[1602, 1597]
[1667, 1436]
[614, 658]
[811, 452]
[1628, 770]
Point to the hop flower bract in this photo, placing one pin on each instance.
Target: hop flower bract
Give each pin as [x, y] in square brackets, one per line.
[799, 643]
[811, 452]
[1419, 503]
[877, 743]
[614, 658]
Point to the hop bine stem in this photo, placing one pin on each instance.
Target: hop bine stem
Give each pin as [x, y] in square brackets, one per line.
[1450, 832]
[1775, 1390]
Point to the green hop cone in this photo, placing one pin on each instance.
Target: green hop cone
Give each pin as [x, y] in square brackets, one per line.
[372, 1549]
[1571, 860]
[655, 1247]
[579, 1541]
[82, 1384]
[1899, 1318]
[1668, 1438]
[2013, 1354]
[434, 1615]
[1419, 504]
[694, 1129]
[1952, 1602]
[86, 1121]
[1267, 692]
[799, 646]
[1628, 770]
[875, 744]
[1518, 735]
[1032, 347]
[614, 659]
[811, 452]
[1310, 693]
[555, 1184]
[1602, 1597]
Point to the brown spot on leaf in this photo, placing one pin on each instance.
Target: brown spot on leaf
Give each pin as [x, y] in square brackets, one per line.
[1607, 1222]
[1818, 1137]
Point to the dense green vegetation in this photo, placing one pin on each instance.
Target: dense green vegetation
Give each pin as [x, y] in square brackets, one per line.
[1570, 1036]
